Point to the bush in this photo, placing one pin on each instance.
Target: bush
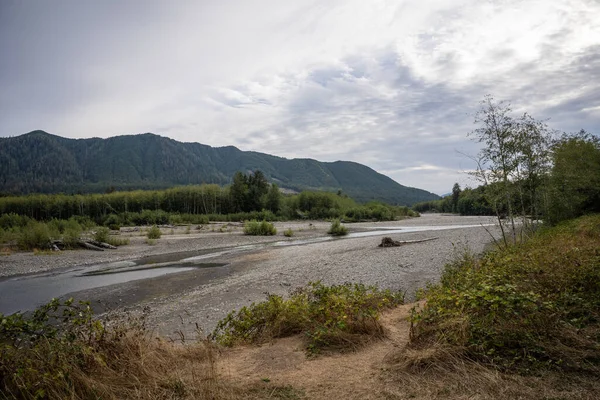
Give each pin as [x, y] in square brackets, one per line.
[262, 228]
[532, 305]
[154, 232]
[330, 317]
[60, 351]
[102, 234]
[71, 234]
[337, 229]
[36, 235]
[288, 232]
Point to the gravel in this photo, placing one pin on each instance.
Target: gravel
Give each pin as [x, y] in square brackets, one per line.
[276, 270]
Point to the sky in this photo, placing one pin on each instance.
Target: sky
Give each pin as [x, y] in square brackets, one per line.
[390, 84]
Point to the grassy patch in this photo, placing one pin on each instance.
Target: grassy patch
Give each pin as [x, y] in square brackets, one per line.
[262, 228]
[338, 317]
[337, 229]
[530, 306]
[154, 232]
[288, 232]
[61, 351]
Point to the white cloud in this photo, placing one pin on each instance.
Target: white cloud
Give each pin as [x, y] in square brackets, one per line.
[391, 84]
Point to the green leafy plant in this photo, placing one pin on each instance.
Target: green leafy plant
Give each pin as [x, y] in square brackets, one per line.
[515, 306]
[338, 317]
[154, 232]
[262, 228]
[288, 232]
[102, 234]
[337, 229]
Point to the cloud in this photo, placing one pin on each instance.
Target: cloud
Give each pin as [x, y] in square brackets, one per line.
[392, 84]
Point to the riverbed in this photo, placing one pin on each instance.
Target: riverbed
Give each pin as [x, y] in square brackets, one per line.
[191, 279]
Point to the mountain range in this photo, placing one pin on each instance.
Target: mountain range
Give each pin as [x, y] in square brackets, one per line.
[38, 162]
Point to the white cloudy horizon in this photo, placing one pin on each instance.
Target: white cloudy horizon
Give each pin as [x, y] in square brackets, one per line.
[389, 84]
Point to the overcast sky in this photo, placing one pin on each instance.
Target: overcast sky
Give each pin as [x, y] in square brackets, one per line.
[390, 84]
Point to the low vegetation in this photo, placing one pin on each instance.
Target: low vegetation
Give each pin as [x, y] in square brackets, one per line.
[337, 229]
[61, 351]
[154, 232]
[262, 228]
[288, 232]
[338, 317]
[525, 307]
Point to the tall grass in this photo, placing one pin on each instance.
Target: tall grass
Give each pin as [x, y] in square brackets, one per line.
[61, 351]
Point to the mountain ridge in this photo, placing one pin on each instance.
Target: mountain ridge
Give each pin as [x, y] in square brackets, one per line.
[42, 162]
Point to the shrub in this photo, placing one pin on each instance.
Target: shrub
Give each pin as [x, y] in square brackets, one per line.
[102, 234]
[154, 232]
[72, 232]
[113, 222]
[60, 351]
[288, 232]
[531, 305]
[331, 317]
[262, 228]
[36, 235]
[117, 241]
[337, 229]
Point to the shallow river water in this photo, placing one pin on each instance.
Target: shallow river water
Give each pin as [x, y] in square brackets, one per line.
[24, 293]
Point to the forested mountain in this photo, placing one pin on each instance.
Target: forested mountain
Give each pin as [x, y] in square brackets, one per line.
[45, 163]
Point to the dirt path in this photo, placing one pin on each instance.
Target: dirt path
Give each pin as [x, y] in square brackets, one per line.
[283, 363]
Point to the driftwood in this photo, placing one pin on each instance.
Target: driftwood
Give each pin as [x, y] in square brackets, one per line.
[101, 244]
[388, 242]
[89, 246]
[86, 244]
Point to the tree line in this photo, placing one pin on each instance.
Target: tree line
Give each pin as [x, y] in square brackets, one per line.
[526, 169]
[250, 196]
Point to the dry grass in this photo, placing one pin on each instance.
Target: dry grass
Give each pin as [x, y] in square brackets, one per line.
[439, 372]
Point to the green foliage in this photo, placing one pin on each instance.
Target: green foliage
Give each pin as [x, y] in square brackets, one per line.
[288, 232]
[71, 233]
[262, 228]
[331, 317]
[113, 222]
[154, 232]
[102, 234]
[36, 235]
[337, 229]
[529, 305]
[39, 352]
[574, 187]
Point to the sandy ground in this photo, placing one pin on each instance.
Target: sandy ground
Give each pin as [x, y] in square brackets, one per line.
[176, 304]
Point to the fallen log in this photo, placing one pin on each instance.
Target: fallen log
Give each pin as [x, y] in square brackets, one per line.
[389, 242]
[101, 244]
[89, 246]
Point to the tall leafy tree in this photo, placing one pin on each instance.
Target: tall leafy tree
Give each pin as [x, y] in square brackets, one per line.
[574, 187]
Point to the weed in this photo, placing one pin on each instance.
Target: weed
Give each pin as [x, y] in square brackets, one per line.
[528, 306]
[102, 234]
[117, 241]
[338, 317]
[61, 351]
[154, 232]
[288, 232]
[337, 229]
[262, 228]
[150, 242]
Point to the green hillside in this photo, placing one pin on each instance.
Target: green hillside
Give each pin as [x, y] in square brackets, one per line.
[44, 163]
